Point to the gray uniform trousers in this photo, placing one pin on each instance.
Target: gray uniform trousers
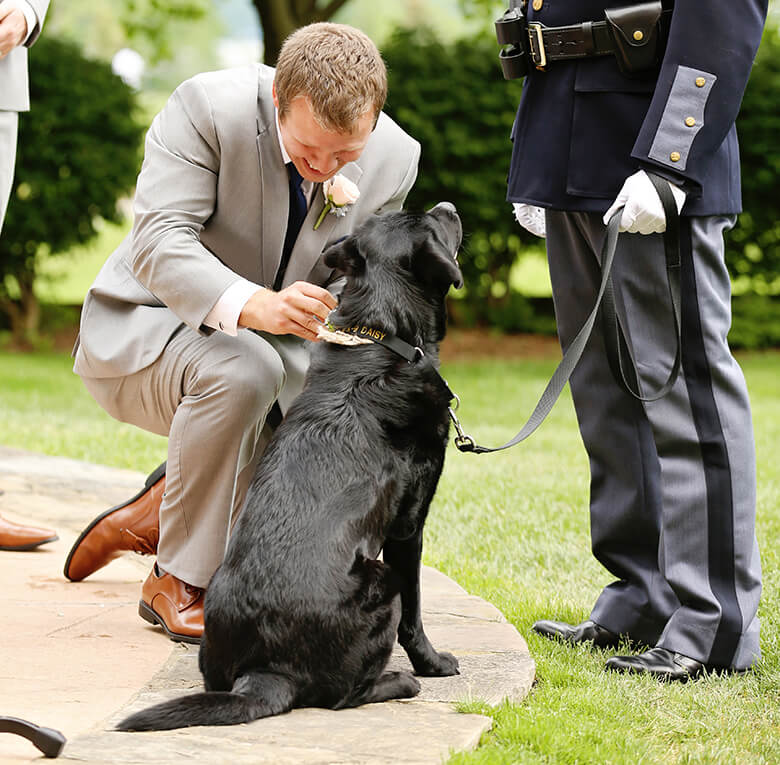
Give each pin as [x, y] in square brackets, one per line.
[8, 130]
[210, 395]
[672, 481]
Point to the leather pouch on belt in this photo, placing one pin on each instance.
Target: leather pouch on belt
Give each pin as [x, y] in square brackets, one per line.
[636, 33]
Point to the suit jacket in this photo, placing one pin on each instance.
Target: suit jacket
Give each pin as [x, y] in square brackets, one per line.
[14, 82]
[211, 205]
[583, 127]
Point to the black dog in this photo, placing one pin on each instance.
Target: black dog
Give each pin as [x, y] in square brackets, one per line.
[301, 612]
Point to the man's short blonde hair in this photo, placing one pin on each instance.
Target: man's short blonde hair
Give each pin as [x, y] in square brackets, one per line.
[339, 70]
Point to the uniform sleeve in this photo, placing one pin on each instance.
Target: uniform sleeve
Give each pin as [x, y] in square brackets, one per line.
[705, 69]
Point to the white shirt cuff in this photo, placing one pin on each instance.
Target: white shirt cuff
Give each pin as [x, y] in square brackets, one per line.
[29, 14]
[224, 315]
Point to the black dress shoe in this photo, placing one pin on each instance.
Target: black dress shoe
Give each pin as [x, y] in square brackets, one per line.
[588, 631]
[659, 663]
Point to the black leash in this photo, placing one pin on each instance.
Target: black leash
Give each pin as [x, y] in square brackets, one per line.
[617, 349]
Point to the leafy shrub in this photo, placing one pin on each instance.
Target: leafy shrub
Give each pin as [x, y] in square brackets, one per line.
[753, 246]
[453, 99]
[78, 153]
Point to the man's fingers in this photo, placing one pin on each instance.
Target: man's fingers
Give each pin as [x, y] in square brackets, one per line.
[311, 306]
[627, 219]
[612, 210]
[304, 326]
[300, 321]
[318, 293]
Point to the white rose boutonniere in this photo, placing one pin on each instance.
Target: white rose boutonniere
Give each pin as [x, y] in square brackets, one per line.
[339, 193]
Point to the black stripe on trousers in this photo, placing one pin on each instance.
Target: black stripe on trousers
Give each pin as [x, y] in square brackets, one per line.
[717, 473]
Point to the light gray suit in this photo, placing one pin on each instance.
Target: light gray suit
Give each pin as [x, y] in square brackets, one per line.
[14, 98]
[211, 206]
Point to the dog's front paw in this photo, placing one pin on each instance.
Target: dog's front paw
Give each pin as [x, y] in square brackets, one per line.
[439, 664]
[409, 685]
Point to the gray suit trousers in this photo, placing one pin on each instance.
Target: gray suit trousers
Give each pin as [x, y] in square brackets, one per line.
[210, 395]
[8, 129]
[673, 489]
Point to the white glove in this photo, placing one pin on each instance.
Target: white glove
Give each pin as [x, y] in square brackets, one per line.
[531, 218]
[643, 212]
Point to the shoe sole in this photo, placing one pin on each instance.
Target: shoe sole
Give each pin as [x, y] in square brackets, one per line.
[150, 481]
[556, 636]
[147, 613]
[29, 545]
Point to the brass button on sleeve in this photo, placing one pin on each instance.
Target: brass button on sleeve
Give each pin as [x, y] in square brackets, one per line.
[700, 82]
[690, 121]
[537, 5]
[639, 35]
[675, 156]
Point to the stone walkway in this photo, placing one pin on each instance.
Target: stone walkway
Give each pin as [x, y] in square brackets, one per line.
[77, 657]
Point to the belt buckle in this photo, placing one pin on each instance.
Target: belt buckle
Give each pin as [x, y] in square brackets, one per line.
[536, 44]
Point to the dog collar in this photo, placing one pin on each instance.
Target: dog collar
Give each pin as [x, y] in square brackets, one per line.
[361, 334]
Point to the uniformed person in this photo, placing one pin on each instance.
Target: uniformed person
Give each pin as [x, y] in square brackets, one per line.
[672, 481]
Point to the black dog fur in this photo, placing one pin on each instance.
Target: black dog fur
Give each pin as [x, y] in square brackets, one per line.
[301, 612]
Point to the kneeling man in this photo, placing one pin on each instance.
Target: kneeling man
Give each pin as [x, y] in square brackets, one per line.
[195, 327]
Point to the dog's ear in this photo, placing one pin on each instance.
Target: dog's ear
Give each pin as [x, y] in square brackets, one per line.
[433, 264]
[345, 256]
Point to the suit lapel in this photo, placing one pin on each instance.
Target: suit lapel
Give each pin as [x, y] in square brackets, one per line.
[274, 200]
[310, 243]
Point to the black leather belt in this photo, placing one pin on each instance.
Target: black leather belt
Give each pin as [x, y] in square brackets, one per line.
[559, 43]
[591, 38]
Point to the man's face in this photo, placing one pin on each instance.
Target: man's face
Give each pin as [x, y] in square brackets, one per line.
[319, 154]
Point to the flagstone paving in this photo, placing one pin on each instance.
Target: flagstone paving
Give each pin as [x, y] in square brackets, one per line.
[77, 657]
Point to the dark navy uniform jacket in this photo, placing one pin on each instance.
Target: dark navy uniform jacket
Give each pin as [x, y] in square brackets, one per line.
[583, 127]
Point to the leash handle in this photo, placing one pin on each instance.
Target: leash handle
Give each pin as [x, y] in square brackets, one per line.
[47, 740]
[614, 338]
[574, 352]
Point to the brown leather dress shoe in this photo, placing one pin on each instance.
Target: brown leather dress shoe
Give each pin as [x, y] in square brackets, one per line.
[175, 605]
[14, 536]
[133, 525]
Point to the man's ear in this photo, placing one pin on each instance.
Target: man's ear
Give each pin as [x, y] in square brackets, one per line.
[345, 256]
[434, 264]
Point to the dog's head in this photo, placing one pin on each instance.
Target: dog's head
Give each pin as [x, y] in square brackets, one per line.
[399, 268]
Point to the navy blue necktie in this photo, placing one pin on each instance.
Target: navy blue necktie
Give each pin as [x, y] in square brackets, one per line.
[295, 220]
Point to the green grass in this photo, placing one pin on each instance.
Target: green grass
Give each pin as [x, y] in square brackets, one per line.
[512, 528]
[45, 408]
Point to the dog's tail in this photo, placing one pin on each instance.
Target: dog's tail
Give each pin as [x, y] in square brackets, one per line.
[253, 696]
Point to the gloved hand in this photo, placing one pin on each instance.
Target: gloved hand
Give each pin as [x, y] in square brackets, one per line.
[643, 212]
[531, 218]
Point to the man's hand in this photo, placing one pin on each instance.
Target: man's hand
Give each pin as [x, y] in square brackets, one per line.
[13, 27]
[296, 310]
[531, 218]
[643, 212]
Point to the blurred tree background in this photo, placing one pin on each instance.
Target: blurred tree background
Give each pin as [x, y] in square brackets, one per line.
[446, 89]
[76, 159]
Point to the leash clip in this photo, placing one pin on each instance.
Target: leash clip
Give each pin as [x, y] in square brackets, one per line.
[463, 441]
